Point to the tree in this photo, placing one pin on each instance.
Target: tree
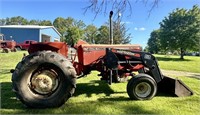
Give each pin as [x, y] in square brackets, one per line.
[154, 42]
[180, 30]
[61, 25]
[72, 35]
[80, 24]
[120, 35]
[45, 23]
[2, 22]
[66, 28]
[103, 35]
[99, 6]
[90, 33]
[18, 20]
[34, 22]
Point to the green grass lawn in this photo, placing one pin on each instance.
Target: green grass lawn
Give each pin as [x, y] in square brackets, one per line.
[97, 97]
[189, 64]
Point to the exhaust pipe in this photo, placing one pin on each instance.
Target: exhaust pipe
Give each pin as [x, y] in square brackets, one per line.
[111, 27]
[174, 86]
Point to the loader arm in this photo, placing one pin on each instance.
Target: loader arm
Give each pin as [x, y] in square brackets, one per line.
[115, 57]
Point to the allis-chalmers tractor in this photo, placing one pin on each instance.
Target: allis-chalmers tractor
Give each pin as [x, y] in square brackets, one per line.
[47, 77]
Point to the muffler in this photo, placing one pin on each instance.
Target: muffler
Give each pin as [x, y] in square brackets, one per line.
[174, 86]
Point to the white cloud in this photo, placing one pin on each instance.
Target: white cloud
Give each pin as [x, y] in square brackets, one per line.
[140, 29]
[135, 28]
[127, 22]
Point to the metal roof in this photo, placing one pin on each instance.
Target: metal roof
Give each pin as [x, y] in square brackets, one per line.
[30, 27]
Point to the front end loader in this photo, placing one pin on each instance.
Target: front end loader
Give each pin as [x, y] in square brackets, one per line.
[150, 78]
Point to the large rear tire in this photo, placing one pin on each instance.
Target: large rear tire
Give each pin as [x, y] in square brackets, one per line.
[141, 87]
[44, 79]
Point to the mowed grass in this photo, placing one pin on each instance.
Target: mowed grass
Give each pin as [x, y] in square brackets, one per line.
[189, 64]
[93, 96]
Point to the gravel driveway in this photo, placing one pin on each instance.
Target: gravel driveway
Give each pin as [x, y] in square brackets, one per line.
[180, 73]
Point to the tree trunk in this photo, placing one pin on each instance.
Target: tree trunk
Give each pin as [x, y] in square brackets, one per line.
[182, 54]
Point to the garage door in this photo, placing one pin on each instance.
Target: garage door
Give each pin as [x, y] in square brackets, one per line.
[46, 38]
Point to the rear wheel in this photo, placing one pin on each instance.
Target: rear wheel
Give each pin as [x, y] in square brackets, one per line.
[44, 79]
[141, 87]
[6, 50]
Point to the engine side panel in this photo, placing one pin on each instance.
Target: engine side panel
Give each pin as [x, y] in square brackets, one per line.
[90, 54]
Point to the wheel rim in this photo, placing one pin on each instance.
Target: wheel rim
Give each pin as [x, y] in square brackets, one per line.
[143, 89]
[44, 81]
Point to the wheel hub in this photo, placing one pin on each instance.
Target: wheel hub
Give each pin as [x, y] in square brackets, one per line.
[44, 82]
[143, 89]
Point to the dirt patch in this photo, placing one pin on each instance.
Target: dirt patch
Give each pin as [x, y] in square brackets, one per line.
[180, 73]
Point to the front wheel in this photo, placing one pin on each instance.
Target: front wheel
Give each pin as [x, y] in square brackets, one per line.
[44, 79]
[141, 87]
[18, 48]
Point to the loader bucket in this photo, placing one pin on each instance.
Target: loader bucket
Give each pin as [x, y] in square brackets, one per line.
[174, 86]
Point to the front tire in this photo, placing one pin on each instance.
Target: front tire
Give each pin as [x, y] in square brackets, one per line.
[141, 87]
[44, 79]
[18, 48]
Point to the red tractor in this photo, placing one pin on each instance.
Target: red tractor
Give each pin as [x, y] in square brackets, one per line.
[7, 45]
[47, 77]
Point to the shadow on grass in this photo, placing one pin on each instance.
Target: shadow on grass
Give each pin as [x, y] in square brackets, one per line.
[114, 99]
[8, 98]
[9, 101]
[106, 106]
[93, 87]
[171, 59]
[99, 87]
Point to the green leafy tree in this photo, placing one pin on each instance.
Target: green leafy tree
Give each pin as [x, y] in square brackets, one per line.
[70, 22]
[72, 35]
[120, 33]
[80, 24]
[45, 23]
[66, 28]
[102, 35]
[61, 25]
[180, 30]
[154, 42]
[2, 22]
[18, 20]
[90, 33]
[34, 22]
[74, 30]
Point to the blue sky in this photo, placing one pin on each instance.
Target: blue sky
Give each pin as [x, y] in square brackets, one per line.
[140, 24]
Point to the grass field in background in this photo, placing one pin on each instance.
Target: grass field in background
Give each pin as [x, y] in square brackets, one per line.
[189, 64]
[97, 97]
